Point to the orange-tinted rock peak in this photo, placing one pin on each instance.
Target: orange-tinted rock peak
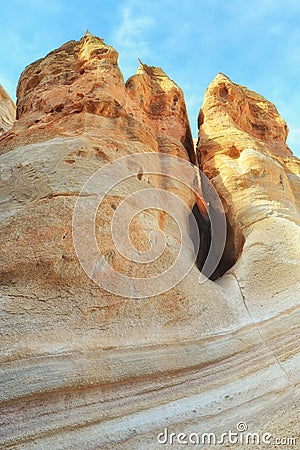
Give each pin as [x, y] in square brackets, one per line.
[247, 112]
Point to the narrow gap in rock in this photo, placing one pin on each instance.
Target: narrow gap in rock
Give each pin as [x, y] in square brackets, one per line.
[233, 246]
[234, 237]
[189, 146]
[204, 234]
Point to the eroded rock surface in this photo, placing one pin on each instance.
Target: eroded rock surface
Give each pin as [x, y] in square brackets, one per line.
[7, 111]
[242, 149]
[84, 368]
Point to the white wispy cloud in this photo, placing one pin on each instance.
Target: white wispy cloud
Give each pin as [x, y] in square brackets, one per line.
[294, 137]
[133, 28]
[130, 35]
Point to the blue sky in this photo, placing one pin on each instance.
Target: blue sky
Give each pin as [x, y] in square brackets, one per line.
[255, 43]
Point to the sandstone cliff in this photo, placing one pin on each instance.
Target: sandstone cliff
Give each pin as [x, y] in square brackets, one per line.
[85, 367]
[242, 149]
[7, 111]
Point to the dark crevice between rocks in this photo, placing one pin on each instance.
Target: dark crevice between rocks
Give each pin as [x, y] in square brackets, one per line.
[204, 228]
[234, 238]
[233, 245]
[233, 248]
[234, 242]
[189, 146]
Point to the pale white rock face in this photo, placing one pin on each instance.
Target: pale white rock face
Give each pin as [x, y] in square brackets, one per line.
[7, 111]
[84, 368]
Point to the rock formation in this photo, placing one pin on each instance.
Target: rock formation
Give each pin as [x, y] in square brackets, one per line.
[242, 149]
[7, 111]
[85, 368]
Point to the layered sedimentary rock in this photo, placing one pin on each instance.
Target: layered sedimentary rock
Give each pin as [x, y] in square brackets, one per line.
[242, 149]
[7, 111]
[86, 368]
